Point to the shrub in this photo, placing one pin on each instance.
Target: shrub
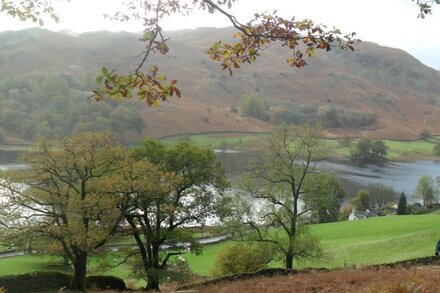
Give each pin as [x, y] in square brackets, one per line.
[418, 209]
[425, 134]
[178, 271]
[346, 211]
[105, 283]
[436, 149]
[241, 258]
[345, 141]
[53, 281]
[35, 282]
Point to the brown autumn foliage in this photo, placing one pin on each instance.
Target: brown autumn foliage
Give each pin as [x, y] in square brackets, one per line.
[371, 280]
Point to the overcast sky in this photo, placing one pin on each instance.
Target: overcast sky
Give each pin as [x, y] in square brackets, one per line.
[391, 23]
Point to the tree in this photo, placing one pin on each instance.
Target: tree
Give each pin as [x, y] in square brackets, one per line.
[29, 9]
[326, 196]
[369, 150]
[426, 190]
[251, 39]
[402, 208]
[301, 37]
[60, 197]
[253, 106]
[276, 184]
[379, 150]
[168, 188]
[425, 6]
[362, 200]
[380, 195]
[328, 116]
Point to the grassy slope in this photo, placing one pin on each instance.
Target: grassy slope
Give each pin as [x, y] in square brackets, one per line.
[377, 240]
[371, 241]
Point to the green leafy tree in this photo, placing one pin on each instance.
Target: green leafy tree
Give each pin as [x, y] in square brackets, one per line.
[253, 106]
[184, 189]
[369, 150]
[402, 207]
[362, 200]
[379, 150]
[60, 197]
[325, 196]
[277, 182]
[426, 190]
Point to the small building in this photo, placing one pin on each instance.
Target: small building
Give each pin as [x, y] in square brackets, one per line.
[362, 215]
[356, 216]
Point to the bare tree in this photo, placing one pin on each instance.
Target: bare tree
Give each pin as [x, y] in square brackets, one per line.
[277, 186]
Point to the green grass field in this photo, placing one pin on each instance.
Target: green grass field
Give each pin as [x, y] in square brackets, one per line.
[397, 150]
[229, 141]
[363, 242]
[377, 240]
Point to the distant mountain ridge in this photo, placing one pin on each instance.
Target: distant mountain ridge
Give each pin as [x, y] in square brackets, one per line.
[403, 92]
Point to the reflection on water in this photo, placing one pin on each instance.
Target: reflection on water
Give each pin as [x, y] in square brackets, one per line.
[401, 176]
[9, 160]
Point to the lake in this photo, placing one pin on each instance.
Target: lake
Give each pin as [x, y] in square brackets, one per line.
[401, 176]
[9, 159]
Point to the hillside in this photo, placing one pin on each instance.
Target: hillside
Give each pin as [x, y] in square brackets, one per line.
[401, 91]
[355, 243]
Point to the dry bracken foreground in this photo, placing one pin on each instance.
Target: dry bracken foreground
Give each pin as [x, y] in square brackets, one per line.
[421, 279]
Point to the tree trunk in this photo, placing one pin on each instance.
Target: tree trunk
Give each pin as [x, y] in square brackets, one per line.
[289, 261]
[80, 270]
[152, 281]
[153, 271]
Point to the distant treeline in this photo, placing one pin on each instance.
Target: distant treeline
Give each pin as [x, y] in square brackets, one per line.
[49, 106]
[296, 114]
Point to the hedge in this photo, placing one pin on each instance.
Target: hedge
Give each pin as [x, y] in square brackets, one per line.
[53, 281]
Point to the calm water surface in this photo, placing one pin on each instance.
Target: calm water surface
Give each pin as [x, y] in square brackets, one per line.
[401, 176]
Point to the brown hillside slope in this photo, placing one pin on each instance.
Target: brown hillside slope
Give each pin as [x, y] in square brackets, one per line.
[401, 90]
[384, 280]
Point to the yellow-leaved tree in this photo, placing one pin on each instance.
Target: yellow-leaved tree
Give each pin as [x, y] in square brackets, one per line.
[61, 200]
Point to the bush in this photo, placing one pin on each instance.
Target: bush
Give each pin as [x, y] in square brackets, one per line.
[344, 141]
[105, 283]
[436, 149]
[53, 281]
[418, 209]
[35, 282]
[241, 258]
[178, 271]
[425, 134]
